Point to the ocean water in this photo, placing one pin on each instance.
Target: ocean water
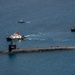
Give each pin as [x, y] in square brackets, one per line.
[43, 63]
[47, 23]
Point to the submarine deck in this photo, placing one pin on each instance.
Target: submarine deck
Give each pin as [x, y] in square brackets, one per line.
[28, 50]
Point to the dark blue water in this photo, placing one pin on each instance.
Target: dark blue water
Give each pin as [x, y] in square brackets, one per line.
[47, 23]
[46, 63]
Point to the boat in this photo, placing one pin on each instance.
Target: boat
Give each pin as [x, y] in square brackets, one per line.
[21, 21]
[72, 29]
[15, 36]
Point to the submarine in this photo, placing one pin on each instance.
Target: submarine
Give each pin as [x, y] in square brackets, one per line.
[13, 49]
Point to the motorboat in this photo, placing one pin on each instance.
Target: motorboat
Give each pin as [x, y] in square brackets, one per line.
[15, 36]
[21, 21]
[72, 29]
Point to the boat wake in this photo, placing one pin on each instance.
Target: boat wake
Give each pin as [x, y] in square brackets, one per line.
[37, 19]
[38, 36]
[28, 22]
[36, 39]
[46, 36]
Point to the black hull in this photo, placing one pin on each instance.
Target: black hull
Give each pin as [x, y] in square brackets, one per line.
[51, 48]
[73, 30]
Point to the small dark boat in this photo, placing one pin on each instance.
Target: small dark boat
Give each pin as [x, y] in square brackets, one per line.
[72, 29]
[21, 21]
